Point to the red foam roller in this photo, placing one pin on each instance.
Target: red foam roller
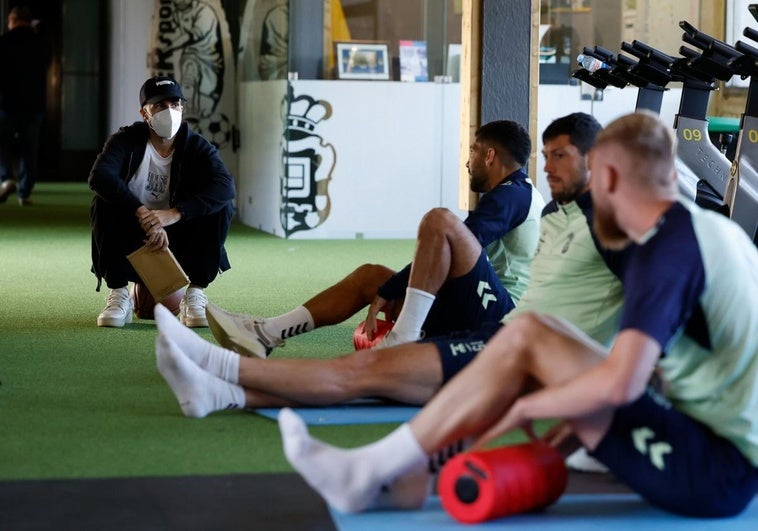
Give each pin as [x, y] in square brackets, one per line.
[479, 486]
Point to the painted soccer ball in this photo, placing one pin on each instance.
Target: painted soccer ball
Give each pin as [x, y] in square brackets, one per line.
[217, 130]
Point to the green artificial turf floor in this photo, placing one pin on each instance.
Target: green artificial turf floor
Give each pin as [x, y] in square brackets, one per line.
[78, 401]
[81, 401]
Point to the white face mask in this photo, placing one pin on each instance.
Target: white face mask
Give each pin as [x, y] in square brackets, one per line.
[166, 122]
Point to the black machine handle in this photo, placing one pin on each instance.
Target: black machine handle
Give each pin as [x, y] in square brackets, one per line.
[589, 77]
[598, 52]
[615, 75]
[652, 66]
[716, 57]
[652, 54]
[626, 71]
[747, 65]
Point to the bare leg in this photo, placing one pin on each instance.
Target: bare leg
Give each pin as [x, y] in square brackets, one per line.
[445, 249]
[530, 350]
[255, 336]
[348, 296]
[409, 373]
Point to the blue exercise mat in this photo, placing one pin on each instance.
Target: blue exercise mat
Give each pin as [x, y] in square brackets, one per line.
[355, 412]
[572, 512]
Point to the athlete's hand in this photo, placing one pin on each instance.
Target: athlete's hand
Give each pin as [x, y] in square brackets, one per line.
[379, 304]
[562, 438]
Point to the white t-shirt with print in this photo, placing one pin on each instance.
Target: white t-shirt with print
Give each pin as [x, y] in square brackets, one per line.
[151, 181]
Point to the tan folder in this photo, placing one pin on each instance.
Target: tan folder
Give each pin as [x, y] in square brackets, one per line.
[159, 270]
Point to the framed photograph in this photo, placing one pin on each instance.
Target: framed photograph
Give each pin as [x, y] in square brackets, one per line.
[413, 61]
[362, 60]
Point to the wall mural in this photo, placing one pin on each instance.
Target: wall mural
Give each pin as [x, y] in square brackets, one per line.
[264, 40]
[191, 42]
[308, 164]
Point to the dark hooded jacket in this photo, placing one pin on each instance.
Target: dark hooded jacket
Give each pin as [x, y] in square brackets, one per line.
[200, 183]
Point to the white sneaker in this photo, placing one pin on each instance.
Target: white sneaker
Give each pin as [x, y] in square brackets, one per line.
[583, 462]
[241, 333]
[118, 309]
[192, 308]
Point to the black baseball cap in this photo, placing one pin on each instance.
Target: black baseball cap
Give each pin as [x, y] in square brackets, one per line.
[160, 88]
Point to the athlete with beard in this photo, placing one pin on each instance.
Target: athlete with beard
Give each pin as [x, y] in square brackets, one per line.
[691, 282]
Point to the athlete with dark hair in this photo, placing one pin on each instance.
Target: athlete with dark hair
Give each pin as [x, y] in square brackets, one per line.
[689, 445]
[463, 272]
[571, 277]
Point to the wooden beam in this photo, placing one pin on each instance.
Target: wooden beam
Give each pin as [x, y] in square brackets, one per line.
[471, 68]
[499, 101]
[534, 86]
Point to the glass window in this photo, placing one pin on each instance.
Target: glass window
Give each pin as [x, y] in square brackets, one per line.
[567, 26]
[331, 94]
[407, 27]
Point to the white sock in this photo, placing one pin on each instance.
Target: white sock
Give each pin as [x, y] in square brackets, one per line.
[413, 314]
[409, 491]
[352, 480]
[198, 392]
[216, 360]
[294, 323]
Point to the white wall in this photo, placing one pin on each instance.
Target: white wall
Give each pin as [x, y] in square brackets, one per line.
[130, 25]
[260, 154]
[555, 101]
[396, 147]
[738, 17]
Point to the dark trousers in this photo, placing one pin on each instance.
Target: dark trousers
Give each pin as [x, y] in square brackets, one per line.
[21, 132]
[197, 244]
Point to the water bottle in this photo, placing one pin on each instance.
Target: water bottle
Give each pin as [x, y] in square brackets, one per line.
[591, 63]
[479, 486]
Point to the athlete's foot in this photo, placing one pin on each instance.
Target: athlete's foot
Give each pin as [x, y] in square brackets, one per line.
[353, 480]
[212, 358]
[392, 339]
[240, 333]
[198, 392]
[407, 492]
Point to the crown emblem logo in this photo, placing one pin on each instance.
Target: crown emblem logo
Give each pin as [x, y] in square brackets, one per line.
[304, 113]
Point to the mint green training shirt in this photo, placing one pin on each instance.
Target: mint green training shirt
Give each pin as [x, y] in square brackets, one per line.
[570, 277]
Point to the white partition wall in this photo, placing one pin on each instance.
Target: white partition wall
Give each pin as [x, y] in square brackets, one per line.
[260, 164]
[364, 159]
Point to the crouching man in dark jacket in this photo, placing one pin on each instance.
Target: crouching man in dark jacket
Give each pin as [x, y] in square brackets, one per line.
[157, 182]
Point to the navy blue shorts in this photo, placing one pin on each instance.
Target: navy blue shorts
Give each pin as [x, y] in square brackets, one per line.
[459, 348]
[464, 303]
[676, 462]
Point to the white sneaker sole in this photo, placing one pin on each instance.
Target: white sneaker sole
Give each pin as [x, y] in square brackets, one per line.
[194, 322]
[114, 322]
[231, 335]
